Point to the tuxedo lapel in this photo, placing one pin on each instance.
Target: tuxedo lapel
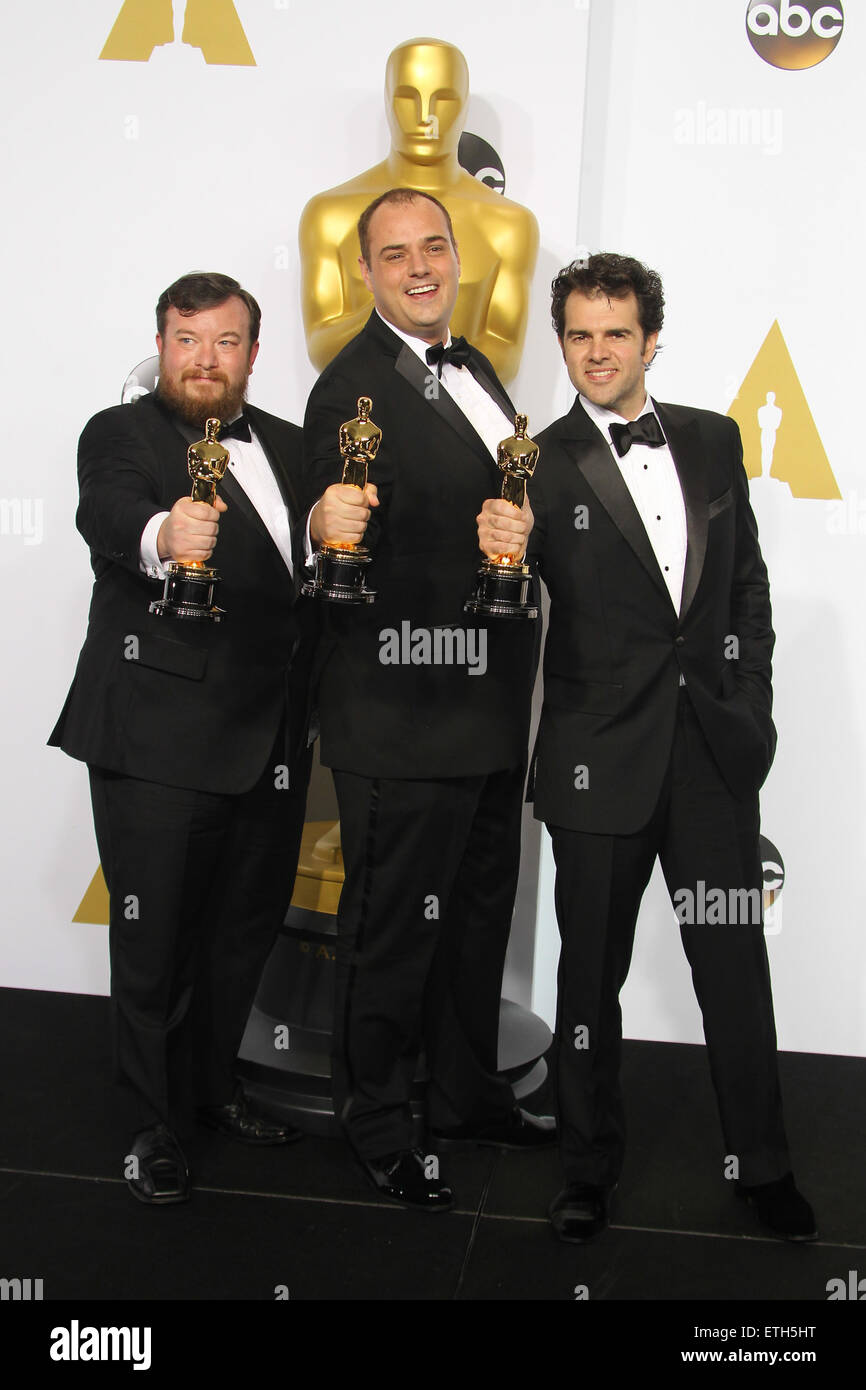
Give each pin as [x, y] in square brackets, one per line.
[235, 495]
[594, 459]
[278, 468]
[424, 380]
[171, 443]
[690, 461]
[422, 377]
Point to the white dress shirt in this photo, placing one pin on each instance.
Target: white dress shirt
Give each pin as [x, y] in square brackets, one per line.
[480, 409]
[652, 479]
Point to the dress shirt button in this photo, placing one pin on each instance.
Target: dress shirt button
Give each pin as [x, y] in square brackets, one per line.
[680, 641]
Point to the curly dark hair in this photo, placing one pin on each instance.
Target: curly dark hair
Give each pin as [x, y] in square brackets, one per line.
[205, 290]
[398, 196]
[614, 277]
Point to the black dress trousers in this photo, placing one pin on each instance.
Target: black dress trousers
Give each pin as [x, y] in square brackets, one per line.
[425, 912]
[706, 840]
[191, 928]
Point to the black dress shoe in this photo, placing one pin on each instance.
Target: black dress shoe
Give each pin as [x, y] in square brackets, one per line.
[519, 1130]
[237, 1121]
[402, 1177]
[781, 1208]
[580, 1211]
[159, 1175]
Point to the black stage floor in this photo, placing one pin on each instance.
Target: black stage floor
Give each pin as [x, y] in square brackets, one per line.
[301, 1223]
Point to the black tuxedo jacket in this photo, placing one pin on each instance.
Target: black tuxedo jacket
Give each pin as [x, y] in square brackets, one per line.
[615, 646]
[432, 472]
[187, 703]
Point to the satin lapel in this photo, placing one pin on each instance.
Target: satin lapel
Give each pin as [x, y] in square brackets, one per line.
[597, 465]
[421, 377]
[234, 493]
[280, 472]
[236, 497]
[690, 460]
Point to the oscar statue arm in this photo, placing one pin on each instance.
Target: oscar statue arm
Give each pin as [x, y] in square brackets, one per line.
[334, 304]
[500, 334]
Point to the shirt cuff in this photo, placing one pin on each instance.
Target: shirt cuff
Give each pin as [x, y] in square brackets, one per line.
[309, 555]
[149, 560]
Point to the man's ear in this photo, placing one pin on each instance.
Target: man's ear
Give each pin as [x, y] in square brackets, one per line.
[649, 348]
[561, 346]
[159, 343]
[365, 271]
[254, 352]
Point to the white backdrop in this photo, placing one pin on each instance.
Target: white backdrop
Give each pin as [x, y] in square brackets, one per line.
[120, 175]
[744, 186]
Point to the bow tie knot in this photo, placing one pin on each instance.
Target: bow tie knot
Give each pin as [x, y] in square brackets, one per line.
[238, 429]
[646, 430]
[458, 352]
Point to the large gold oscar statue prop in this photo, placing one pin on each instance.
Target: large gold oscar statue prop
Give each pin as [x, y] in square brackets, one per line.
[426, 98]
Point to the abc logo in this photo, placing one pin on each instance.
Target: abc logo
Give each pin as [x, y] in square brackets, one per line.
[793, 36]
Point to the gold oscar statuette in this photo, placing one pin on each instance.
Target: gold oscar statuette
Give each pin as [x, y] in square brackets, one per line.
[339, 573]
[189, 585]
[503, 581]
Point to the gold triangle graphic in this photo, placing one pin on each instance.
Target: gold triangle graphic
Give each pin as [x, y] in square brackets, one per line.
[94, 905]
[214, 27]
[780, 438]
[211, 25]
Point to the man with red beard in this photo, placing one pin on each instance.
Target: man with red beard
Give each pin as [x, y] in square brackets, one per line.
[192, 730]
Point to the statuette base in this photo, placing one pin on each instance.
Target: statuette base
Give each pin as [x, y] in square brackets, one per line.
[502, 592]
[339, 576]
[188, 593]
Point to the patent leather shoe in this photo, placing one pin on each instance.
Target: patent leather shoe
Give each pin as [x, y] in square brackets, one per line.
[580, 1211]
[155, 1168]
[238, 1122]
[409, 1178]
[781, 1209]
[519, 1130]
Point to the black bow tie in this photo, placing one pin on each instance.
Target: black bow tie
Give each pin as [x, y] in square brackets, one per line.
[646, 430]
[458, 352]
[238, 429]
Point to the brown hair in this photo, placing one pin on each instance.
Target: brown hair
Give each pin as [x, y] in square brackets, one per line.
[205, 290]
[399, 196]
[614, 277]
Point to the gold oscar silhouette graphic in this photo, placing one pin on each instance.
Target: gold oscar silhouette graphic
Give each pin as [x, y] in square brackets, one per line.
[426, 98]
[503, 582]
[190, 585]
[339, 574]
[780, 438]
